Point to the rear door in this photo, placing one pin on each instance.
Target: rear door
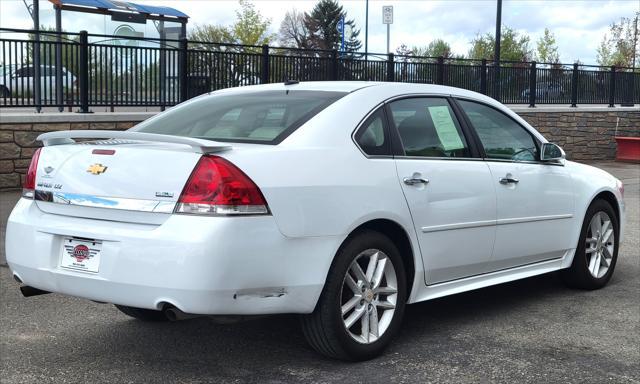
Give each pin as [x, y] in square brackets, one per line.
[534, 199]
[449, 191]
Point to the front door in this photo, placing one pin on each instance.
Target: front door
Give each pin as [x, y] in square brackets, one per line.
[534, 199]
[450, 194]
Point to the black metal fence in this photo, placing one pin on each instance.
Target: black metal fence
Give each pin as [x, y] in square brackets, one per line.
[81, 70]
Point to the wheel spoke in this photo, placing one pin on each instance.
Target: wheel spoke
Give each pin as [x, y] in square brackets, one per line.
[605, 227]
[607, 236]
[365, 325]
[353, 317]
[371, 267]
[352, 284]
[385, 305]
[349, 305]
[590, 250]
[377, 277]
[596, 224]
[596, 265]
[385, 290]
[355, 267]
[607, 254]
[373, 321]
[592, 240]
[605, 261]
[592, 262]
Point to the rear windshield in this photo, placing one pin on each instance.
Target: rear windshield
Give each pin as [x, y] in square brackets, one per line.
[265, 117]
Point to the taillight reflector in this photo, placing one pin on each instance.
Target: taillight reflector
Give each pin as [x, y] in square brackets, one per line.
[217, 187]
[29, 185]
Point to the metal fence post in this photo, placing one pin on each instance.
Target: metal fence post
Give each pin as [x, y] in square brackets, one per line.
[334, 64]
[264, 74]
[440, 72]
[532, 85]
[612, 87]
[483, 77]
[83, 75]
[183, 69]
[574, 86]
[391, 73]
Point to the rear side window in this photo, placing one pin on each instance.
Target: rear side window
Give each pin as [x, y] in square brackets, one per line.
[428, 128]
[372, 136]
[266, 117]
[501, 137]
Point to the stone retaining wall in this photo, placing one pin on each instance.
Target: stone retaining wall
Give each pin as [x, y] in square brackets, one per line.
[18, 142]
[584, 134]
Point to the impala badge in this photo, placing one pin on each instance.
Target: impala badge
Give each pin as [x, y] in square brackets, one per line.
[164, 194]
[48, 170]
[96, 169]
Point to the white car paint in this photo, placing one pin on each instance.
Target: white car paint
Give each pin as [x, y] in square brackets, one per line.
[465, 229]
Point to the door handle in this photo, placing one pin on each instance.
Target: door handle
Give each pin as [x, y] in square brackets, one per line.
[508, 180]
[415, 180]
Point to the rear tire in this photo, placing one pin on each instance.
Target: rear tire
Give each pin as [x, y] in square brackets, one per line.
[143, 314]
[355, 318]
[597, 251]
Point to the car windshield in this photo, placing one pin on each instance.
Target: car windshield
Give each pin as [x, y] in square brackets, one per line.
[265, 117]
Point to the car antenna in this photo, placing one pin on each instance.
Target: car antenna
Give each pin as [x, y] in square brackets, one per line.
[290, 82]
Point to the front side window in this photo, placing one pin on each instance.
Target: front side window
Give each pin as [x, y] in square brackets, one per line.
[428, 128]
[265, 117]
[372, 137]
[501, 137]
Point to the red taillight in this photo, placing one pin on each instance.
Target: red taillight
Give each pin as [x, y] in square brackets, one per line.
[217, 187]
[29, 185]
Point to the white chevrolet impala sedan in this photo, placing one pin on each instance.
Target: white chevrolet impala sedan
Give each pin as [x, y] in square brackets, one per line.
[339, 201]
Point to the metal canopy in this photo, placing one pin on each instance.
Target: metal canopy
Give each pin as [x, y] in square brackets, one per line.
[111, 6]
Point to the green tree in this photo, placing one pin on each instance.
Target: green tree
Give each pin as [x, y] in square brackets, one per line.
[619, 46]
[513, 46]
[547, 49]
[436, 48]
[322, 24]
[225, 70]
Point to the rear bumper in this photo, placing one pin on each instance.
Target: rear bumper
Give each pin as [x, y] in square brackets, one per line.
[201, 265]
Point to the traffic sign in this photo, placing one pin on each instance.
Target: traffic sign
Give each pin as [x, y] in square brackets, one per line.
[387, 14]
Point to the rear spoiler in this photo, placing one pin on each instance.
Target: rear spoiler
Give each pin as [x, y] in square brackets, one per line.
[67, 137]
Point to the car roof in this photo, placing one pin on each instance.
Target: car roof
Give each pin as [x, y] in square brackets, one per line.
[353, 86]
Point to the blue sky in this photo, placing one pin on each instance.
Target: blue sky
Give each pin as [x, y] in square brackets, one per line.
[579, 25]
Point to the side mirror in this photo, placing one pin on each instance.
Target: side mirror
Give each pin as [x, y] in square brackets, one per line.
[551, 153]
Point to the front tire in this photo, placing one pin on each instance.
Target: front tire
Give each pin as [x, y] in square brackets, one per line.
[362, 304]
[597, 250]
[143, 314]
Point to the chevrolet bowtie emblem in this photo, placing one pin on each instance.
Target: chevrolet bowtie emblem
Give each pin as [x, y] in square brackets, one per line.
[96, 169]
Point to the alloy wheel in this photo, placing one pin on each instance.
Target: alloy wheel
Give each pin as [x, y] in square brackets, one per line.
[369, 295]
[600, 244]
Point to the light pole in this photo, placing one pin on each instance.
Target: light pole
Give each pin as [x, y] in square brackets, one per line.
[366, 29]
[496, 55]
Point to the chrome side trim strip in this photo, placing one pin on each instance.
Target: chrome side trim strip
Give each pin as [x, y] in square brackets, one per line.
[120, 203]
[517, 220]
[447, 227]
[486, 223]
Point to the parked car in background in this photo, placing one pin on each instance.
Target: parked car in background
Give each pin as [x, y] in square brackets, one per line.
[339, 201]
[546, 90]
[16, 80]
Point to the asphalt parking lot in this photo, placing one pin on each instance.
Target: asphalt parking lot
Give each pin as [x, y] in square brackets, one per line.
[530, 331]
